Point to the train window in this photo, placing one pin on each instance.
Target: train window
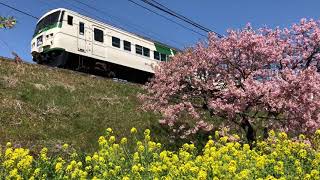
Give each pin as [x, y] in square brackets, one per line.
[48, 20]
[146, 51]
[127, 45]
[156, 55]
[70, 20]
[115, 42]
[81, 28]
[98, 35]
[139, 49]
[163, 57]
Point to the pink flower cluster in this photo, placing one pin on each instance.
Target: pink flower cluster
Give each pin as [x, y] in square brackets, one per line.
[265, 76]
[7, 22]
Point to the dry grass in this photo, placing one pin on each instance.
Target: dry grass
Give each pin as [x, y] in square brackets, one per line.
[42, 106]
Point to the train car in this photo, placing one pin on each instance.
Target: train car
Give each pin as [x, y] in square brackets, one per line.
[67, 39]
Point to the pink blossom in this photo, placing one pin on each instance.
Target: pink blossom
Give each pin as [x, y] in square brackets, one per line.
[267, 76]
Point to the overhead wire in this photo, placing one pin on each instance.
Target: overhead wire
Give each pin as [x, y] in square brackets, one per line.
[169, 11]
[128, 23]
[185, 27]
[165, 9]
[178, 15]
[76, 7]
[18, 10]
[87, 5]
[110, 21]
[6, 44]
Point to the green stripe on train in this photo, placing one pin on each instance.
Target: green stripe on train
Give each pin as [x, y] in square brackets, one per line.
[51, 26]
[164, 50]
[48, 49]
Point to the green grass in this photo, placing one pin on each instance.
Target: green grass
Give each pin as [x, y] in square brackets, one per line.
[41, 106]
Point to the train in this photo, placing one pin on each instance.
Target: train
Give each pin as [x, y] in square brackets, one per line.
[66, 39]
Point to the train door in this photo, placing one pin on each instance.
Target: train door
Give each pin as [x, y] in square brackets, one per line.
[88, 35]
[81, 38]
[98, 48]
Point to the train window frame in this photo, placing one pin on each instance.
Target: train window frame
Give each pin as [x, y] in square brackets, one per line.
[146, 51]
[98, 35]
[116, 42]
[126, 45]
[163, 55]
[70, 20]
[156, 55]
[61, 17]
[81, 28]
[139, 49]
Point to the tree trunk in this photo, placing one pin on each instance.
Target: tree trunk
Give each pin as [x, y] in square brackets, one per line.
[249, 130]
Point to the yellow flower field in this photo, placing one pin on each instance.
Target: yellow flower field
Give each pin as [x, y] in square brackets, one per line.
[277, 157]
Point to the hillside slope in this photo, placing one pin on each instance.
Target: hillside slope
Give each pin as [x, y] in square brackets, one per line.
[42, 106]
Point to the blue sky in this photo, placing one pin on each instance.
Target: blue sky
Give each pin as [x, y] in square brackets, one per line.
[216, 15]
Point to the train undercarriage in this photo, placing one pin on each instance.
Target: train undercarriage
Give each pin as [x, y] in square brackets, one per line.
[71, 61]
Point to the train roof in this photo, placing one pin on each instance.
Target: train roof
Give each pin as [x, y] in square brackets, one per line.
[112, 26]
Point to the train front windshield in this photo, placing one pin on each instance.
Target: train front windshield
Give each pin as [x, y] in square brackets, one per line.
[49, 20]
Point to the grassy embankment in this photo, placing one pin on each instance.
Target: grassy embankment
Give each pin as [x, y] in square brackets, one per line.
[42, 106]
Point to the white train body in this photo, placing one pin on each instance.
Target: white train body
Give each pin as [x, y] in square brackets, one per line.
[64, 30]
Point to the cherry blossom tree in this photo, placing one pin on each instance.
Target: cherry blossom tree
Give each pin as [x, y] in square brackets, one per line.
[249, 79]
[7, 22]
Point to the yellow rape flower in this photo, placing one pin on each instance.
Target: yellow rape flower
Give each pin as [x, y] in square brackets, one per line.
[232, 167]
[133, 130]
[141, 148]
[109, 130]
[95, 157]
[36, 172]
[272, 134]
[202, 175]
[112, 139]
[315, 174]
[88, 159]
[124, 140]
[8, 152]
[9, 144]
[302, 137]
[246, 147]
[135, 169]
[102, 141]
[65, 146]
[13, 173]
[278, 168]
[58, 167]
[303, 153]
[43, 154]
[147, 137]
[147, 132]
[283, 135]
[224, 139]
[25, 163]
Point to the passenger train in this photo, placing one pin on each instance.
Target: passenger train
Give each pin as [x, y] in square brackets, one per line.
[67, 39]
